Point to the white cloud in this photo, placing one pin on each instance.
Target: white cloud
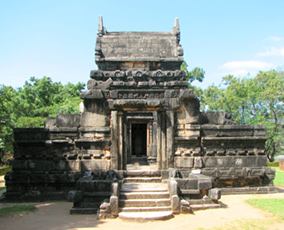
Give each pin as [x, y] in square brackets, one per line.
[272, 51]
[274, 38]
[244, 65]
[241, 72]
[245, 68]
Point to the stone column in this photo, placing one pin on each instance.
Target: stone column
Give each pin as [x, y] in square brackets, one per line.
[164, 141]
[120, 141]
[114, 140]
[158, 139]
[154, 135]
[170, 138]
[126, 143]
[129, 144]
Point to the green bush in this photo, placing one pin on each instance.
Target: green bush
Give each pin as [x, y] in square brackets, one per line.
[273, 164]
[4, 170]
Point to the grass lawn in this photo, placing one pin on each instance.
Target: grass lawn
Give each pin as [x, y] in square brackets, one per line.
[16, 210]
[275, 206]
[279, 178]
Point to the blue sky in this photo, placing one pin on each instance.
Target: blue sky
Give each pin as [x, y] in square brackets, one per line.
[57, 38]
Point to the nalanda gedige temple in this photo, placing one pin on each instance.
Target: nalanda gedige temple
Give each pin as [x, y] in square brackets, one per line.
[140, 142]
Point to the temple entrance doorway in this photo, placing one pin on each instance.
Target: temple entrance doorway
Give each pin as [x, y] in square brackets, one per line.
[139, 140]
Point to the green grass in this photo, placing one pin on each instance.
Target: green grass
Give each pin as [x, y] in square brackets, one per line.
[275, 206]
[2, 187]
[279, 178]
[16, 210]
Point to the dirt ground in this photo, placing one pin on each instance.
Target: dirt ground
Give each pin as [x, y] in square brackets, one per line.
[55, 216]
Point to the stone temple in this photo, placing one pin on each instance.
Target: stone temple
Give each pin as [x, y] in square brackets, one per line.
[140, 143]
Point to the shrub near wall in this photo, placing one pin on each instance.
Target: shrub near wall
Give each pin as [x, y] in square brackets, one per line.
[4, 170]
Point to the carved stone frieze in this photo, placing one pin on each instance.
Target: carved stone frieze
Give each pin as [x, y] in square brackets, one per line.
[164, 75]
[140, 94]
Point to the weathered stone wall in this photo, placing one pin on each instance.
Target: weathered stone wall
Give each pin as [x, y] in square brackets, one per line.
[49, 161]
[234, 155]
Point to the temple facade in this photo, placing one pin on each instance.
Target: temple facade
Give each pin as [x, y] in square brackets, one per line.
[139, 114]
[140, 95]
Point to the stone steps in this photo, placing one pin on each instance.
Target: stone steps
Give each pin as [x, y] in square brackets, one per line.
[146, 216]
[190, 191]
[144, 202]
[144, 187]
[145, 209]
[142, 180]
[143, 173]
[144, 197]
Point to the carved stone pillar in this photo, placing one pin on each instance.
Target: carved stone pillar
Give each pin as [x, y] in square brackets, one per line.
[114, 140]
[158, 139]
[154, 137]
[164, 141]
[170, 138]
[121, 160]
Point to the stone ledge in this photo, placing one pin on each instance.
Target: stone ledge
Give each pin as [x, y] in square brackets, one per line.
[63, 129]
[29, 130]
[248, 138]
[250, 190]
[31, 141]
[91, 140]
[186, 138]
[84, 210]
[94, 129]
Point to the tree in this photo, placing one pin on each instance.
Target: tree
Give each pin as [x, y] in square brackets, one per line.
[267, 100]
[252, 101]
[197, 74]
[6, 120]
[41, 97]
[31, 104]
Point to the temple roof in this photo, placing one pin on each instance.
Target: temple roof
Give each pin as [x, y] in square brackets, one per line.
[138, 46]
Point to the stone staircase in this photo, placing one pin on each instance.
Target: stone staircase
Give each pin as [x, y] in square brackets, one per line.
[143, 196]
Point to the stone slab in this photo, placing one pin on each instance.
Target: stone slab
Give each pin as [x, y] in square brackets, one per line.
[67, 120]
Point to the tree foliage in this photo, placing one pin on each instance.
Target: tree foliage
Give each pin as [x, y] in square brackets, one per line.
[30, 105]
[254, 101]
[197, 74]
[6, 120]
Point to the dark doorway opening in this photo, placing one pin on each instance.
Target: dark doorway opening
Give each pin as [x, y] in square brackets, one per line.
[139, 140]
